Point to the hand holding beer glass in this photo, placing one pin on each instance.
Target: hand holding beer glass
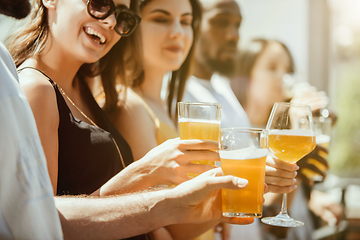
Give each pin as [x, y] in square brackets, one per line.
[291, 136]
[242, 156]
[199, 121]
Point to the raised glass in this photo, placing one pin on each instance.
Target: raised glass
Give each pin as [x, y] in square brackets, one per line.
[291, 136]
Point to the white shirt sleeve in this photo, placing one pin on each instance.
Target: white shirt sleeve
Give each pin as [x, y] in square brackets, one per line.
[27, 209]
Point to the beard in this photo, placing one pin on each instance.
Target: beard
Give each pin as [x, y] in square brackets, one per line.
[226, 68]
[15, 8]
[216, 62]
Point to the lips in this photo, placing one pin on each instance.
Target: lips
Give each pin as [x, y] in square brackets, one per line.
[95, 35]
[174, 48]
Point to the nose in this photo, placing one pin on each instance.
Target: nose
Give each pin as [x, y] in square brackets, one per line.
[110, 21]
[232, 33]
[176, 29]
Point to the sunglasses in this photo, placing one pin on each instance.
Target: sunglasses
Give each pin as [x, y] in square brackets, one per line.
[126, 20]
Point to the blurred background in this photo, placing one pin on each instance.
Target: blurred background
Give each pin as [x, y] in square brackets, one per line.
[324, 39]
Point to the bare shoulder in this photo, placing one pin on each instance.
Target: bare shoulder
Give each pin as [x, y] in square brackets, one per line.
[133, 110]
[40, 93]
[136, 125]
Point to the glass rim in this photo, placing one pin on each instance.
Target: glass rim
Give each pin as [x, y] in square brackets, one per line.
[201, 104]
[243, 129]
[292, 104]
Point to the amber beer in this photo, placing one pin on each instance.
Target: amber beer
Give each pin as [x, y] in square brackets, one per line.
[248, 163]
[199, 129]
[291, 145]
[321, 140]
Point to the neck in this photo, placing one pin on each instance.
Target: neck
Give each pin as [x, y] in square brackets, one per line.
[150, 89]
[202, 71]
[61, 69]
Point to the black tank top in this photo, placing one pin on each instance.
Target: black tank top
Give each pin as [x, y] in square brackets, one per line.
[88, 156]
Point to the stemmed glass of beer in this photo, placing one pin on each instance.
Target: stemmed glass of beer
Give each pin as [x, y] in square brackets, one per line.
[291, 136]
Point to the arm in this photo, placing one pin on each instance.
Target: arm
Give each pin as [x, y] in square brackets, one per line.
[42, 99]
[194, 201]
[168, 163]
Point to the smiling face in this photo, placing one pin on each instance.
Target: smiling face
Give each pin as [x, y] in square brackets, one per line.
[219, 35]
[167, 33]
[266, 75]
[78, 34]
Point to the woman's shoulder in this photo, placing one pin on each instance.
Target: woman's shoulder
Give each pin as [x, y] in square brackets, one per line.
[35, 82]
[135, 106]
[39, 92]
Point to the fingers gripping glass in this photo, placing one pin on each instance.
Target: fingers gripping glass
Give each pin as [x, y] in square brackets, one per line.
[126, 20]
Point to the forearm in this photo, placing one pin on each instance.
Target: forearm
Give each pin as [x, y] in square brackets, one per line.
[114, 217]
[134, 178]
[189, 231]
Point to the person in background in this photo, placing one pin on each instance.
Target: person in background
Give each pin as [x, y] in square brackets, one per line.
[258, 84]
[25, 184]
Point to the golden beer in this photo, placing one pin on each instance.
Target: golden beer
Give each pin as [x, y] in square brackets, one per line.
[321, 140]
[247, 202]
[291, 145]
[199, 129]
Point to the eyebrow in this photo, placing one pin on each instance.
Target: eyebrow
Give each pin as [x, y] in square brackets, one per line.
[167, 13]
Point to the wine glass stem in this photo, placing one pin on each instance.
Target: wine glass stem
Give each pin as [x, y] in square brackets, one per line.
[284, 205]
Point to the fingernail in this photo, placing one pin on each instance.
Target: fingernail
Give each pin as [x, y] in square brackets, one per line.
[293, 187]
[295, 173]
[297, 167]
[242, 182]
[294, 180]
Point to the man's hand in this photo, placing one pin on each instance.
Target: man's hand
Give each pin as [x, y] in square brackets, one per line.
[199, 200]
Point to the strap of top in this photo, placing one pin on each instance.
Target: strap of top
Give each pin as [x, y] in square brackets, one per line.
[149, 110]
[51, 81]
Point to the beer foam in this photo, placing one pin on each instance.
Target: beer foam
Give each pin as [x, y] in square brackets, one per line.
[243, 154]
[198, 120]
[293, 132]
[322, 139]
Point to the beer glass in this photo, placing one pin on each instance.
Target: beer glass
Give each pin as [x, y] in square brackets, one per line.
[291, 136]
[242, 156]
[199, 121]
[322, 127]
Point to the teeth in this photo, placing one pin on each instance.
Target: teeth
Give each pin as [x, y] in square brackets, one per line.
[95, 33]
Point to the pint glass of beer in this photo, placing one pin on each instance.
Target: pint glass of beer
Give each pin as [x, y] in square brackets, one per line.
[242, 156]
[199, 121]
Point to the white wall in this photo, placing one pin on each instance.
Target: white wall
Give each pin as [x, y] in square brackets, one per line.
[283, 20]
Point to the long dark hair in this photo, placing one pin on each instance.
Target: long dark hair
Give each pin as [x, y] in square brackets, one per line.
[178, 78]
[245, 63]
[31, 39]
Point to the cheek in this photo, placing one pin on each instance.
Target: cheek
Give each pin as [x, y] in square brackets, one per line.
[150, 42]
[188, 41]
[116, 37]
